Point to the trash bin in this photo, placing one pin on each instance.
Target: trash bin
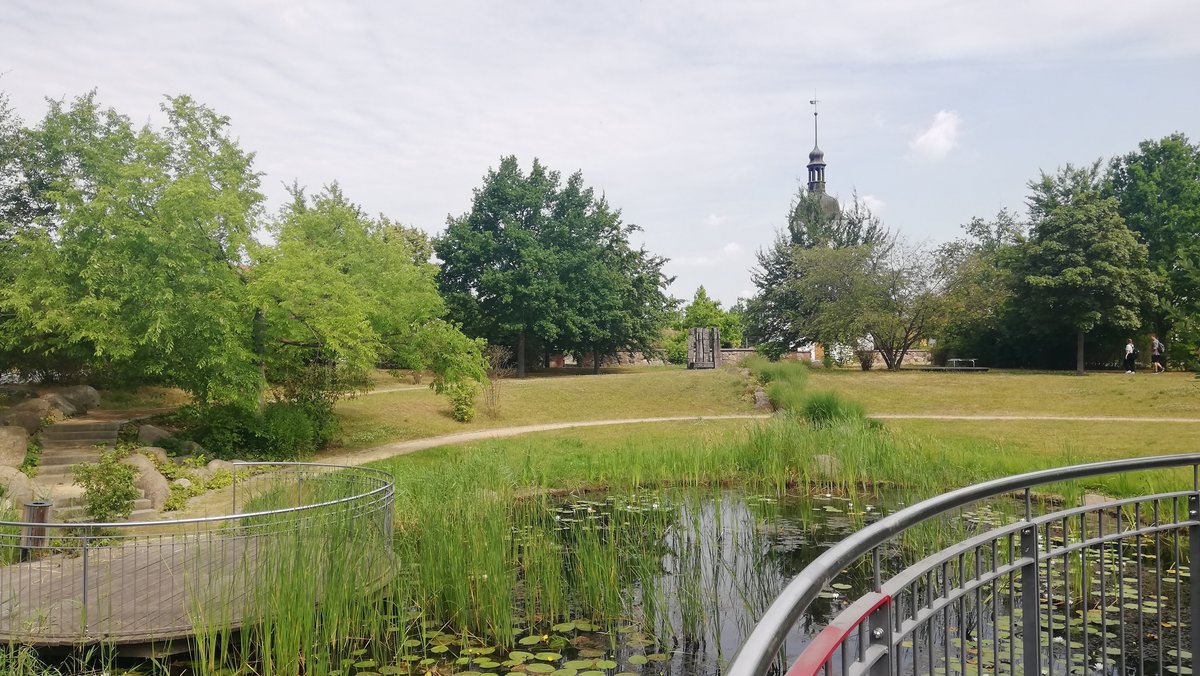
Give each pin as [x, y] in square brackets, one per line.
[35, 537]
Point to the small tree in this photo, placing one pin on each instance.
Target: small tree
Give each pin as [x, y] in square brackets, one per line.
[498, 358]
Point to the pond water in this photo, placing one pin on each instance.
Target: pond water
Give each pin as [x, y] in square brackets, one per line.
[669, 582]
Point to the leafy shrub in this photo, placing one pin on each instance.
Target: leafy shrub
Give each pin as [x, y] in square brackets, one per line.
[108, 488]
[823, 409]
[462, 400]
[281, 431]
[33, 457]
[285, 431]
[676, 348]
[866, 358]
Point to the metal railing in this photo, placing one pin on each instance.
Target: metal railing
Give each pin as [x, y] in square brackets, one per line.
[135, 582]
[1098, 589]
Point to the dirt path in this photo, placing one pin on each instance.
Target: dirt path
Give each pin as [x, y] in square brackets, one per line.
[413, 445]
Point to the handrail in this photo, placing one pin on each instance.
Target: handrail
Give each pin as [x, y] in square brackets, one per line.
[384, 487]
[760, 648]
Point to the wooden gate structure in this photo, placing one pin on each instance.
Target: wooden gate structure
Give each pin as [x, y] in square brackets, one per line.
[704, 348]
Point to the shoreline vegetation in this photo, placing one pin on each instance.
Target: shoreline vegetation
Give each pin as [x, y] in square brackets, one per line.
[479, 567]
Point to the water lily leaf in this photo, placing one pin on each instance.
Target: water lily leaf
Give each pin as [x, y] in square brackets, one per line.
[365, 664]
[530, 640]
[548, 656]
[638, 659]
[565, 626]
[539, 668]
[606, 664]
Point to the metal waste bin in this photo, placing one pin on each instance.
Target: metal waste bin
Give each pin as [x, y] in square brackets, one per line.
[35, 537]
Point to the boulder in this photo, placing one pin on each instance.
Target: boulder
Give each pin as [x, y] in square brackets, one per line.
[761, 401]
[18, 489]
[17, 392]
[826, 466]
[159, 454]
[218, 465]
[155, 486]
[61, 403]
[182, 482]
[84, 397]
[29, 421]
[13, 442]
[189, 447]
[148, 434]
[39, 406]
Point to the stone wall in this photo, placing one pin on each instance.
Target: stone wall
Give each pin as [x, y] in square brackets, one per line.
[734, 355]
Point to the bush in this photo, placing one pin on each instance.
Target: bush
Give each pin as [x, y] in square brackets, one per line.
[462, 401]
[281, 431]
[108, 488]
[824, 409]
[285, 432]
[676, 349]
[866, 358]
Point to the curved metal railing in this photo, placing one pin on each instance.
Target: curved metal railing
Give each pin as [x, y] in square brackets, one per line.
[1103, 588]
[136, 582]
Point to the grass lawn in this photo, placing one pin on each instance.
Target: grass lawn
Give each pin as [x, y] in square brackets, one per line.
[1168, 395]
[561, 395]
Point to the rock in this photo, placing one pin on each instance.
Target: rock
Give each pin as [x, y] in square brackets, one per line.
[39, 406]
[155, 486]
[218, 465]
[202, 474]
[61, 403]
[18, 489]
[13, 442]
[190, 447]
[29, 421]
[159, 454]
[83, 396]
[761, 401]
[182, 482]
[1094, 499]
[826, 466]
[148, 434]
[17, 392]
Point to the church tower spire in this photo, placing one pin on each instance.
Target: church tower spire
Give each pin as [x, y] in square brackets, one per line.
[816, 159]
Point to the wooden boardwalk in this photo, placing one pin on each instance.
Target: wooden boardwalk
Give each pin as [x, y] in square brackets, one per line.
[146, 591]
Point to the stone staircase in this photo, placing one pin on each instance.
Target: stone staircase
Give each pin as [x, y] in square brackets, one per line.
[66, 444]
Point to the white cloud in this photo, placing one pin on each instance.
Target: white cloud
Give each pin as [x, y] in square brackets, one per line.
[730, 252]
[712, 221]
[873, 203]
[940, 138]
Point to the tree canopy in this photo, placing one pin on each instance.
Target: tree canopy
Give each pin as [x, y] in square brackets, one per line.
[539, 260]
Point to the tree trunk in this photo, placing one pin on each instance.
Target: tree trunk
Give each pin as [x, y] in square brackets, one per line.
[595, 360]
[521, 354]
[546, 359]
[1079, 353]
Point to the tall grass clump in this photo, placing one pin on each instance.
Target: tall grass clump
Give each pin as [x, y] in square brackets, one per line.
[824, 409]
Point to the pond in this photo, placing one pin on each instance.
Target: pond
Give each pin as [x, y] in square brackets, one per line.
[664, 582]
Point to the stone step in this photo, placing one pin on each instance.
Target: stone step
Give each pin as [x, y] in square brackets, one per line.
[82, 426]
[141, 511]
[50, 433]
[67, 456]
[78, 443]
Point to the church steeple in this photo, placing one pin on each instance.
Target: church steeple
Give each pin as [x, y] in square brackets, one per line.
[816, 159]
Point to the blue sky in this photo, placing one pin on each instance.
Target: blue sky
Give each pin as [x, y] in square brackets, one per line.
[692, 116]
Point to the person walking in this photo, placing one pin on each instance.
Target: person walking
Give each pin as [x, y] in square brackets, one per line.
[1130, 355]
[1157, 359]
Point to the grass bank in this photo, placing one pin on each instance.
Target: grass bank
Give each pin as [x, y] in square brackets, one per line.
[560, 395]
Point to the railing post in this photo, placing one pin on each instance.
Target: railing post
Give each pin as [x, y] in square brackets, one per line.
[880, 627]
[84, 611]
[1193, 557]
[234, 470]
[1031, 627]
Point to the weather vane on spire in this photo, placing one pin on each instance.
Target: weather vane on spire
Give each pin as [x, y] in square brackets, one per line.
[814, 103]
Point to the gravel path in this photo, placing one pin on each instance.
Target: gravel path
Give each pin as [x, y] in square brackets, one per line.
[412, 445]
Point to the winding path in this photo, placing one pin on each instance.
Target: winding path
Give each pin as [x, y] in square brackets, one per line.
[403, 447]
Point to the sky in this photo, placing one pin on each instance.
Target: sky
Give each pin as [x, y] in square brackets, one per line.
[692, 116]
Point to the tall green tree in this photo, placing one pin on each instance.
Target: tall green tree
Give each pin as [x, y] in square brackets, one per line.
[136, 266]
[781, 316]
[339, 293]
[1082, 267]
[499, 277]
[1158, 194]
[539, 260]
